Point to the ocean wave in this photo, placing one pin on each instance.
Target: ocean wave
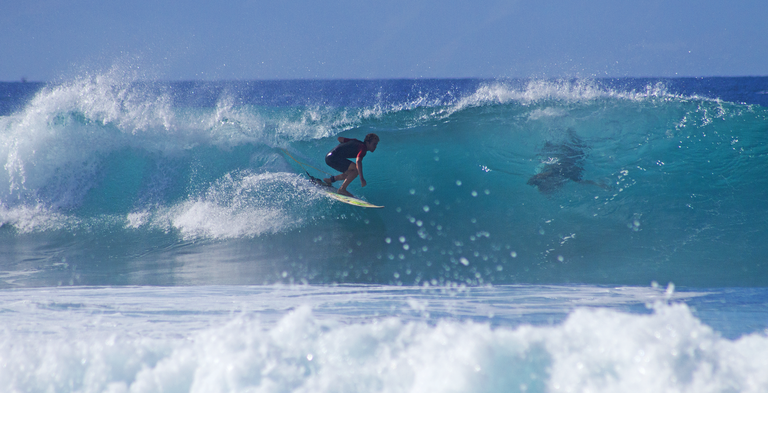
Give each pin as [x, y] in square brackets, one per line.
[533, 92]
[500, 182]
[241, 206]
[57, 147]
[593, 350]
[27, 219]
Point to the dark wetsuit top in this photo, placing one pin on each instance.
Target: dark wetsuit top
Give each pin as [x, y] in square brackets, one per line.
[339, 157]
[570, 160]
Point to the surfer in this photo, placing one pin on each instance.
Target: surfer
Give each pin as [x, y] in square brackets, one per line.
[339, 159]
[562, 163]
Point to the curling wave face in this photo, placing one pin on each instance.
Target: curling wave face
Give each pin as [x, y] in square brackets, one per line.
[616, 182]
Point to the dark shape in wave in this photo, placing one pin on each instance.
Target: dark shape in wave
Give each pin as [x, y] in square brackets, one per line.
[563, 162]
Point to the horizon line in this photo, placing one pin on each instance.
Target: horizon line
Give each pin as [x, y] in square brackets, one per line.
[25, 81]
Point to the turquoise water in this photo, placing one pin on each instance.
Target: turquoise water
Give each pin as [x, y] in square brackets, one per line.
[152, 232]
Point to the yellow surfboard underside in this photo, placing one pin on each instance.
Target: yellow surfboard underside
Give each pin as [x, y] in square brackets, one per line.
[350, 200]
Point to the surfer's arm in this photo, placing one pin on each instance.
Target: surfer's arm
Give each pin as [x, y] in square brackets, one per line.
[359, 165]
[590, 182]
[342, 140]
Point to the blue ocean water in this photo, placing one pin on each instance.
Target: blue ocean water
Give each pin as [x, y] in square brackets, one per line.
[536, 235]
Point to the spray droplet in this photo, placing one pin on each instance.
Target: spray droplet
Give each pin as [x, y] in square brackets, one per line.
[670, 290]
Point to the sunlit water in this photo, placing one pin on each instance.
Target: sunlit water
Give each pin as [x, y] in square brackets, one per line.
[158, 237]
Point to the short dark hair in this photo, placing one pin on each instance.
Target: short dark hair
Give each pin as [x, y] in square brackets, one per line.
[371, 138]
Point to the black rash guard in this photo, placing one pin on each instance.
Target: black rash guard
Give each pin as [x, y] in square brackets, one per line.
[339, 157]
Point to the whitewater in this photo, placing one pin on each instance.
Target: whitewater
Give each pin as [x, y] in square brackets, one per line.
[536, 236]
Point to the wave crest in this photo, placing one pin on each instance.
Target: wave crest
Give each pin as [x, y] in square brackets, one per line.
[592, 351]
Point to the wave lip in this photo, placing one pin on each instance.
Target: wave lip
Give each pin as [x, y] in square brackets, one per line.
[531, 92]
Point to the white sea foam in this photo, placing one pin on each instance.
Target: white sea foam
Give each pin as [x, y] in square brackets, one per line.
[51, 149]
[204, 219]
[136, 219]
[536, 91]
[594, 350]
[532, 91]
[245, 205]
[57, 148]
[27, 219]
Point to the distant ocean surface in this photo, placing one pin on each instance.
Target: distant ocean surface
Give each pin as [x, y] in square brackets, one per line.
[603, 235]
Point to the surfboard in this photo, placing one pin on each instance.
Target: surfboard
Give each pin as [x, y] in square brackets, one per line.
[331, 192]
[350, 200]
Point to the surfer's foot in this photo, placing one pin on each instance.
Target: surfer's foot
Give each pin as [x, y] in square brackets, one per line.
[329, 181]
[344, 192]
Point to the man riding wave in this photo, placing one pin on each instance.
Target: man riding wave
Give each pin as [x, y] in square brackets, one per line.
[340, 159]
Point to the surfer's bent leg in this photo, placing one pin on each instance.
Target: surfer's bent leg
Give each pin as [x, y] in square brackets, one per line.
[348, 176]
[339, 164]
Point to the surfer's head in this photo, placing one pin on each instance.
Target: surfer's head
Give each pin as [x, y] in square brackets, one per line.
[371, 141]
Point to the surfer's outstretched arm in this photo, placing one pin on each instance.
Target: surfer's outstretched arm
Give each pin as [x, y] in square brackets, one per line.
[590, 182]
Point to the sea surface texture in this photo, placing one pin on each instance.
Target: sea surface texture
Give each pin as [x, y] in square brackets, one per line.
[536, 236]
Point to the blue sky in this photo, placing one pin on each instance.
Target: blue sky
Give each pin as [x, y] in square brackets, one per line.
[255, 39]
